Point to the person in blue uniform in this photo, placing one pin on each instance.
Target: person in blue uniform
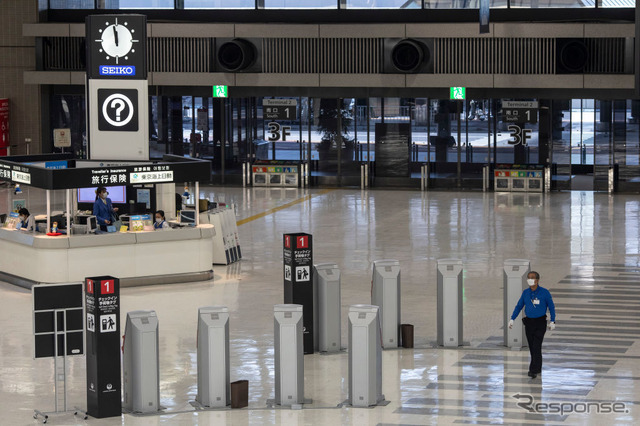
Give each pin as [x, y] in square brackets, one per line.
[27, 222]
[535, 300]
[103, 210]
[160, 224]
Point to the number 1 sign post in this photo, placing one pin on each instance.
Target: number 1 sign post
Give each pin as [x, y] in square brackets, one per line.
[102, 324]
[298, 280]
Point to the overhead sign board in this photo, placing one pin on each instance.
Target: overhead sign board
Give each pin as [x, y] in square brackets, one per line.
[21, 177]
[279, 109]
[50, 172]
[519, 111]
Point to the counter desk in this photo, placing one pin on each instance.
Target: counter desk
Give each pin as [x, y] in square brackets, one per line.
[137, 258]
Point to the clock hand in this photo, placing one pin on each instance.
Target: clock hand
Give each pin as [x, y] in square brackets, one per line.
[115, 34]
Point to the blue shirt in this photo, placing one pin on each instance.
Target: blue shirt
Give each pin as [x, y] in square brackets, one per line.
[533, 310]
[29, 224]
[102, 211]
[160, 226]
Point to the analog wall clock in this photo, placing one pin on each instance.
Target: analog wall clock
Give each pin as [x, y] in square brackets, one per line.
[116, 46]
[117, 40]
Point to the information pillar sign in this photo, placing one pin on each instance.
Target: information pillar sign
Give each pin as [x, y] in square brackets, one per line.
[4, 126]
[298, 280]
[102, 324]
[117, 89]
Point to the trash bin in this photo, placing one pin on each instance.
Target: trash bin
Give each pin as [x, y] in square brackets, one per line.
[240, 394]
[406, 331]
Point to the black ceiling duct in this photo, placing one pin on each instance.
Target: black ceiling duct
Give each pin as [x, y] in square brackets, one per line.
[407, 56]
[236, 55]
[572, 56]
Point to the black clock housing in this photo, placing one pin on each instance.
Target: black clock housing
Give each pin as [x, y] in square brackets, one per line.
[126, 35]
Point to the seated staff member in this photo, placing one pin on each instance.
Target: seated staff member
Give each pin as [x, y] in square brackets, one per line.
[103, 210]
[27, 222]
[160, 224]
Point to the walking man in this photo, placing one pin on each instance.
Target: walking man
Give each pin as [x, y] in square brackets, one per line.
[535, 301]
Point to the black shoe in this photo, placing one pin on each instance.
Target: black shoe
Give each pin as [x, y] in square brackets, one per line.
[532, 375]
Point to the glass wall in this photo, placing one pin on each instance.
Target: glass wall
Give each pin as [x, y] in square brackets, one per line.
[219, 4]
[395, 136]
[72, 4]
[300, 4]
[384, 4]
[140, 4]
[332, 4]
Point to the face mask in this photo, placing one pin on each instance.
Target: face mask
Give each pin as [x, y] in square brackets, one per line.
[531, 282]
[158, 220]
[103, 195]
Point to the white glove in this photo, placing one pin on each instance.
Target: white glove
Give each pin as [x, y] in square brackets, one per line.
[552, 325]
[510, 323]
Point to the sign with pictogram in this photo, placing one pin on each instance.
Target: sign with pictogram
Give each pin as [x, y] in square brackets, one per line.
[303, 273]
[287, 273]
[102, 301]
[91, 322]
[108, 323]
[118, 110]
[298, 280]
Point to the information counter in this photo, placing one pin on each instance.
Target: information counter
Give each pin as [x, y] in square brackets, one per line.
[135, 257]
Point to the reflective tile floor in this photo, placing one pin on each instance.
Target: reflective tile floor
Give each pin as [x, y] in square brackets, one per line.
[585, 245]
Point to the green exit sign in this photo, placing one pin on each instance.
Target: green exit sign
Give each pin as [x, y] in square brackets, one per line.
[457, 93]
[220, 91]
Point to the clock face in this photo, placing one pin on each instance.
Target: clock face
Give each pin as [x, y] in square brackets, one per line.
[117, 40]
[116, 46]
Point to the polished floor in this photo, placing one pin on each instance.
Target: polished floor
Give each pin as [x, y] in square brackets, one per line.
[585, 245]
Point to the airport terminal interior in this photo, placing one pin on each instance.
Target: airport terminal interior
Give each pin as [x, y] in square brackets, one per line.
[584, 244]
[484, 134]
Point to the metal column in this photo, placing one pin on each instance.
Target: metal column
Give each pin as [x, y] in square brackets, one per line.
[140, 363]
[365, 356]
[326, 282]
[385, 293]
[450, 302]
[515, 281]
[289, 358]
[214, 378]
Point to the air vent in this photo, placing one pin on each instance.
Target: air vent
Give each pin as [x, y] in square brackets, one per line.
[408, 56]
[238, 55]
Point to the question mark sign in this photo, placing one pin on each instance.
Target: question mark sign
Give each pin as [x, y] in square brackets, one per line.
[118, 104]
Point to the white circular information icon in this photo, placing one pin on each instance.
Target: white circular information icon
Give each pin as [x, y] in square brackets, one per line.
[117, 103]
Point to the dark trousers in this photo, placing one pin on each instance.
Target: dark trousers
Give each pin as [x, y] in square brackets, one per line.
[535, 328]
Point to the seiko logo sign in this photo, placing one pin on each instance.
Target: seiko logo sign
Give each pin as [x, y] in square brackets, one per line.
[117, 70]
